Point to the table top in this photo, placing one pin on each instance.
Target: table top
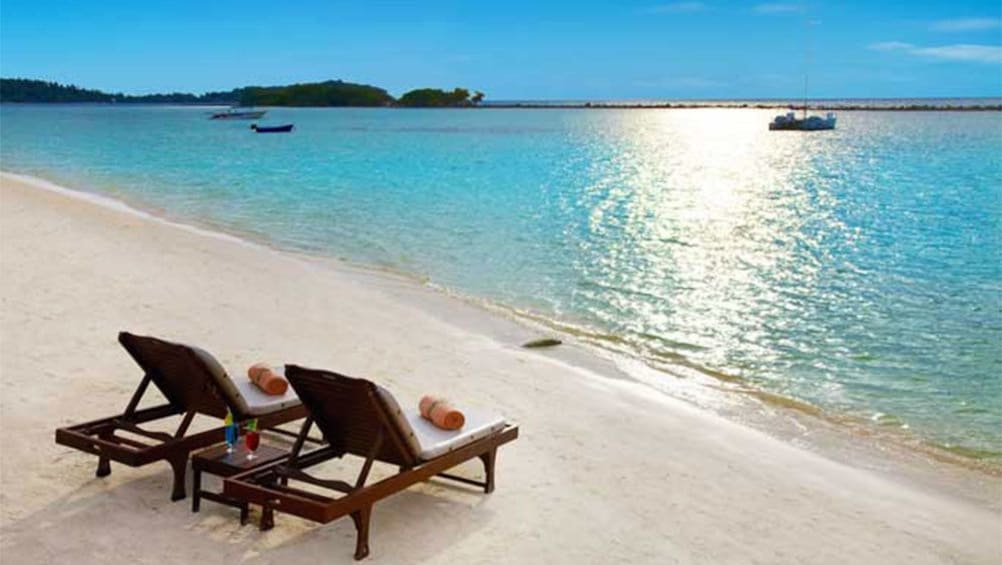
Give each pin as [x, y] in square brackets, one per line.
[217, 461]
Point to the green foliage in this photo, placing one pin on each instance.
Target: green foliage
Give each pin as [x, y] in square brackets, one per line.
[24, 90]
[39, 91]
[330, 93]
[436, 98]
[228, 97]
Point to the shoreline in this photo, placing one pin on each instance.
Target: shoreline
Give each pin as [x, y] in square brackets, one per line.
[846, 437]
[727, 395]
[714, 472]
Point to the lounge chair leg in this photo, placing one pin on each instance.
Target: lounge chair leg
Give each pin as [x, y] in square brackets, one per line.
[179, 465]
[267, 519]
[103, 467]
[361, 519]
[488, 459]
[103, 463]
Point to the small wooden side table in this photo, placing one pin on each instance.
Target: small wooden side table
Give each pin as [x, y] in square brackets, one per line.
[216, 461]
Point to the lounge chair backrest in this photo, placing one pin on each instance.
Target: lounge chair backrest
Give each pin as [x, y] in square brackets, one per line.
[182, 373]
[351, 414]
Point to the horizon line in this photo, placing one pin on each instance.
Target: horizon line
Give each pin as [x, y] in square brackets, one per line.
[529, 100]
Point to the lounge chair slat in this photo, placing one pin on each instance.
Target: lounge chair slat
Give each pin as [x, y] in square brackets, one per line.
[133, 428]
[130, 441]
[463, 480]
[142, 416]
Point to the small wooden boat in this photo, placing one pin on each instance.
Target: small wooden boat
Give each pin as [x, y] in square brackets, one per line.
[272, 129]
[233, 114]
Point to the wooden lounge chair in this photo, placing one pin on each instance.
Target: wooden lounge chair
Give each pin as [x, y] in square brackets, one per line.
[193, 382]
[360, 418]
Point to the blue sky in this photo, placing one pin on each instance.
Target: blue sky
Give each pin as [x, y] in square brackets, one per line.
[516, 49]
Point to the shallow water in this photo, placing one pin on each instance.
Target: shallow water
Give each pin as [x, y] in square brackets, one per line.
[860, 269]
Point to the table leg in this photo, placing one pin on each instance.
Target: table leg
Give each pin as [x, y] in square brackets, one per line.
[196, 487]
[267, 519]
[244, 511]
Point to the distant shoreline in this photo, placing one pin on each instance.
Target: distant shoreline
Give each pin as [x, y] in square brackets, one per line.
[341, 94]
[600, 106]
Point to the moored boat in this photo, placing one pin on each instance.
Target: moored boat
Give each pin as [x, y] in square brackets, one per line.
[234, 114]
[790, 122]
[272, 129]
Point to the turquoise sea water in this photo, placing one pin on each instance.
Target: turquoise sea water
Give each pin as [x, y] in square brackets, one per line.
[859, 270]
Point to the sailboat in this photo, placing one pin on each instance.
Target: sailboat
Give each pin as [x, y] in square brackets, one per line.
[790, 122]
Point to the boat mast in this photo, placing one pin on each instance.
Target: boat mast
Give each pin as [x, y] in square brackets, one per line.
[807, 53]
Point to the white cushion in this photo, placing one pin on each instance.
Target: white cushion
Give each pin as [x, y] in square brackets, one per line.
[398, 416]
[435, 442]
[245, 395]
[254, 402]
[428, 441]
[223, 382]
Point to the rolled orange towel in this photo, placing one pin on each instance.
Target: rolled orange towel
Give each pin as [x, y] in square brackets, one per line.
[267, 380]
[441, 413]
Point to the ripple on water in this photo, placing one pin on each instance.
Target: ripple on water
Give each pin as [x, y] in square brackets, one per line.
[859, 270]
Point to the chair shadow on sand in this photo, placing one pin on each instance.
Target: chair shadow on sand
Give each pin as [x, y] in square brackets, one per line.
[132, 522]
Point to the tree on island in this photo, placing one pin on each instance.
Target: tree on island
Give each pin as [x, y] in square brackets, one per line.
[437, 98]
[26, 90]
[40, 91]
[328, 93]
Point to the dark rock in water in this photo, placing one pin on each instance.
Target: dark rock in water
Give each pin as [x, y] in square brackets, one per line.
[544, 342]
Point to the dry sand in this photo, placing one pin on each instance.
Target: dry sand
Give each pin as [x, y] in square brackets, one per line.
[606, 469]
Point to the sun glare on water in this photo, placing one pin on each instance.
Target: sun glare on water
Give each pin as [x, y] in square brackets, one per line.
[709, 225]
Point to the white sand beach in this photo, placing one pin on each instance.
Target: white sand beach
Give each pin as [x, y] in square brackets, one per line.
[605, 470]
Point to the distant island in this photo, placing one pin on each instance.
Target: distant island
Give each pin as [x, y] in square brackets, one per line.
[315, 94]
[434, 98]
[337, 93]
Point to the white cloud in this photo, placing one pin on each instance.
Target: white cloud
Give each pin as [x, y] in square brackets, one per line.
[773, 8]
[962, 52]
[678, 8]
[966, 24]
[958, 52]
[890, 46]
